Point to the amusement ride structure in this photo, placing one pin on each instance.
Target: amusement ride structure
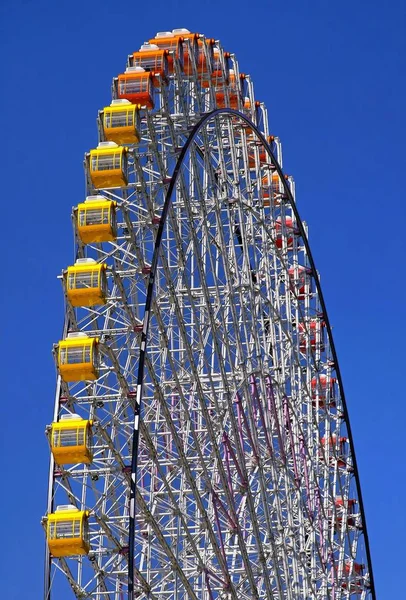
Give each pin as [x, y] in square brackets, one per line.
[200, 442]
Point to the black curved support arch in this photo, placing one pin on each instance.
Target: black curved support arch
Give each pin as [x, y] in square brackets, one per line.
[144, 336]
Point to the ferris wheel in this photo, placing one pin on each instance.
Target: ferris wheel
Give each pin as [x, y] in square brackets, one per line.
[200, 443]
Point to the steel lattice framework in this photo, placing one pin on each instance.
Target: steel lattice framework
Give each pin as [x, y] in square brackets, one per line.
[219, 401]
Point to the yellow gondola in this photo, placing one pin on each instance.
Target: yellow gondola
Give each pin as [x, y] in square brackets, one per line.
[86, 283]
[68, 531]
[120, 122]
[108, 166]
[78, 357]
[71, 440]
[96, 220]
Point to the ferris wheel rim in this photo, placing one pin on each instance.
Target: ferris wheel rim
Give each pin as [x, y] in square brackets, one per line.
[147, 314]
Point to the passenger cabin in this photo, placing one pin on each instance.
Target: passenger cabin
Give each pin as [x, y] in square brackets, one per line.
[120, 122]
[263, 157]
[299, 278]
[220, 73]
[191, 49]
[352, 578]
[232, 90]
[331, 440]
[136, 86]
[68, 531]
[153, 60]
[77, 357]
[96, 220]
[345, 513]
[284, 232]
[354, 573]
[322, 385]
[165, 40]
[86, 283]
[71, 440]
[271, 185]
[311, 335]
[336, 448]
[108, 166]
[353, 567]
[189, 42]
[205, 60]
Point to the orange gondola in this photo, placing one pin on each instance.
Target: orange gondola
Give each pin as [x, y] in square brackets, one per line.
[234, 93]
[166, 40]
[136, 86]
[154, 60]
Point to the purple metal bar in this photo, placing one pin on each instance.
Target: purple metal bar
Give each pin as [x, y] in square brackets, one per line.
[247, 427]
[216, 517]
[254, 391]
[333, 577]
[233, 524]
[230, 452]
[206, 578]
[292, 445]
[318, 506]
[272, 405]
[227, 457]
[306, 476]
[239, 419]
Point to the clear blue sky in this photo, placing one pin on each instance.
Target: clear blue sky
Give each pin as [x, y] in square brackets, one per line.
[332, 75]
